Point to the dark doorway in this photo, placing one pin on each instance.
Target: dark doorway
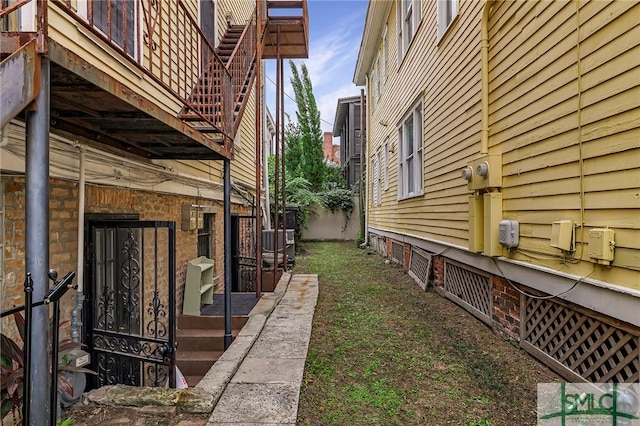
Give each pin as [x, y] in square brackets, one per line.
[130, 289]
[243, 249]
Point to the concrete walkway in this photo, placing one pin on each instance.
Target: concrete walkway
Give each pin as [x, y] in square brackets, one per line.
[257, 380]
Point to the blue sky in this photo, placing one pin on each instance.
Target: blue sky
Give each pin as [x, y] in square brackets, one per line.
[335, 31]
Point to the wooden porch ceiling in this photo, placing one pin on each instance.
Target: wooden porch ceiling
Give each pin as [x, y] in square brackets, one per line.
[292, 32]
[97, 107]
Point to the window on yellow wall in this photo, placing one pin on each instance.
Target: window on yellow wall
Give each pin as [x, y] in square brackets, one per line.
[386, 164]
[373, 181]
[117, 20]
[410, 170]
[408, 18]
[385, 52]
[371, 88]
[447, 10]
[379, 182]
[378, 76]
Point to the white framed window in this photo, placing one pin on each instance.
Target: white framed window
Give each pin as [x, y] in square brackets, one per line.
[386, 164]
[372, 88]
[385, 52]
[447, 10]
[409, 14]
[410, 159]
[379, 182]
[378, 76]
[374, 181]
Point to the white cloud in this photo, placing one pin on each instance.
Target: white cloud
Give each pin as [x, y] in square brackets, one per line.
[331, 62]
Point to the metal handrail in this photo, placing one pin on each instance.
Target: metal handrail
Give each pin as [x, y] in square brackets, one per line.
[241, 61]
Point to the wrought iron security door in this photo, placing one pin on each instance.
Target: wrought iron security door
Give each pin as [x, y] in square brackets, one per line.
[243, 247]
[132, 293]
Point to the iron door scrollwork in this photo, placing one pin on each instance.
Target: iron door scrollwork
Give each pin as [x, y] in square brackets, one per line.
[133, 284]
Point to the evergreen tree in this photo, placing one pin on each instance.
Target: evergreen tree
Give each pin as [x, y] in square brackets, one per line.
[311, 161]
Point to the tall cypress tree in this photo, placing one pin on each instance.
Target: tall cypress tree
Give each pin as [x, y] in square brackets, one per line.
[311, 162]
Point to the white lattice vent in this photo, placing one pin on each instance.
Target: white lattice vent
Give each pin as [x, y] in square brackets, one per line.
[420, 267]
[397, 252]
[569, 339]
[469, 288]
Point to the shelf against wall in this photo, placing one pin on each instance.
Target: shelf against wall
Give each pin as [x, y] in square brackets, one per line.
[198, 289]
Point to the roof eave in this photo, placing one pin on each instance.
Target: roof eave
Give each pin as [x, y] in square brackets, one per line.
[376, 17]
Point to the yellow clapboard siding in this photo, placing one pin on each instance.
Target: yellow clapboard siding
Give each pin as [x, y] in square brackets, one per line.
[534, 123]
[623, 122]
[534, 41]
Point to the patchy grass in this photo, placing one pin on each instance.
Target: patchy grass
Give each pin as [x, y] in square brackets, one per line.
[384, 352]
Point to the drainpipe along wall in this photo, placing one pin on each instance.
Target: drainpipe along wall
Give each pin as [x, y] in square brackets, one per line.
[76, 322]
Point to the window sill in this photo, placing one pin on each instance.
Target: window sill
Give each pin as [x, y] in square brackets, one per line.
[411, 196]
[441, 37]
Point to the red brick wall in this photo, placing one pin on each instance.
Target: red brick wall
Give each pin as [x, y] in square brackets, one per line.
[438, 272]
[506, 307]
[407, 255]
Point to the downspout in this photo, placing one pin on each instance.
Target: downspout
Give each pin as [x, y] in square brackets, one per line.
[364, 135]
[363, 163]
[484, 48]
[76, 321]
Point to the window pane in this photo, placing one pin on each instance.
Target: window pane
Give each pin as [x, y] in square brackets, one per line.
[409, 135]
[418, 126]
[116, 18]
[410, 172]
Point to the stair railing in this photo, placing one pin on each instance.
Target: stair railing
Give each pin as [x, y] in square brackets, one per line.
[10, 11]
[241, 65]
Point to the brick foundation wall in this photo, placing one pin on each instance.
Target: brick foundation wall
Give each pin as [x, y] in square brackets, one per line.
[438, 272]
[406, 255]
[506, 308]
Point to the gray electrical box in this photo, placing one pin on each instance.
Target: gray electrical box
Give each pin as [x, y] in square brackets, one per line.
[509, 233]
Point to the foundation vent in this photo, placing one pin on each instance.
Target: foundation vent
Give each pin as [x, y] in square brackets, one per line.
[469, 288]
[574, 343]
[397, 252]
[420, 267]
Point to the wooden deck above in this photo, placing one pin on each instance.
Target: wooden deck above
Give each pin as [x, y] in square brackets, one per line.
[286, 29]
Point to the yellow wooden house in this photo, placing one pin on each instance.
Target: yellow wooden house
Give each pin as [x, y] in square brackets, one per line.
[503, 167]
[129, 133]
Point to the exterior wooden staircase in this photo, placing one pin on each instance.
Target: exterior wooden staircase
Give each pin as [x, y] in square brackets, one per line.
[201, 342]
[21, 62]
[217, 83]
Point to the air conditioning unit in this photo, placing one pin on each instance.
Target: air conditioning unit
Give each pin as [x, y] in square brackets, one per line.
[288, 244]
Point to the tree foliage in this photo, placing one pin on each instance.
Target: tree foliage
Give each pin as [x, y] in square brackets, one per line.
[310, 163]
[309, 180]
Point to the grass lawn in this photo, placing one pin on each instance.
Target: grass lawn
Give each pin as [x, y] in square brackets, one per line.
[385, 352]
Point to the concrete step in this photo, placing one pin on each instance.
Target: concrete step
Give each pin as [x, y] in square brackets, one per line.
[196, 363]
[201, 340]
[188, 322]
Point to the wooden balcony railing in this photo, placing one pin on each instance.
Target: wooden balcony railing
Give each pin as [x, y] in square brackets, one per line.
[171, 48]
